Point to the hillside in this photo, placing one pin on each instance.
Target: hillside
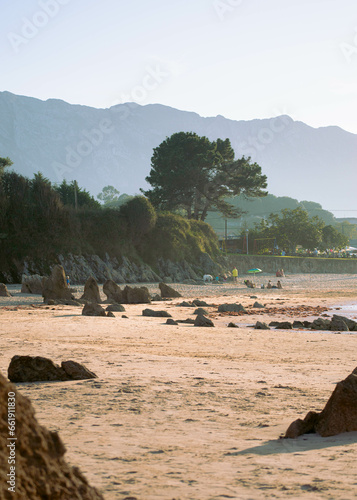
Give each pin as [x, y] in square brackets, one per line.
[113, 146]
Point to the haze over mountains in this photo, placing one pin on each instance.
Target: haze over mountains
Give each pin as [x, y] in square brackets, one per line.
[113, 146]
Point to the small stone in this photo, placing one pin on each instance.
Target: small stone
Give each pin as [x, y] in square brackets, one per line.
[259, 325]
[203, 321]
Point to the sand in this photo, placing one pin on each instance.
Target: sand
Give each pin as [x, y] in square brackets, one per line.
[180, 412]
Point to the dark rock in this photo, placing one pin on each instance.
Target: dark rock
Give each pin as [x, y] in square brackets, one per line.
[113, 292]
[171, 321]
[4, 292]
[91, 291]
[93, 309]
[231, 308]
[41, 470]
[299, 426]
[232, 325]
[39, 369]
[187, 320]
[156, 298]
[320, 324]
[156, 314]
[307, 324]
[110, 314]
[115, 308]
[124, 316]
[32, 284]
[284, 325]
[76, 371]
[352, 325]
[186, 304]
[136, 295]
[298, 324]
[258, 305]
[260, 325]
[339, 414]
[202, 321]
[201, 311]
[62, 302]
[55, 287]
[338, 325]
[200, 303]
[32, 369]
[168, 291]
[274, 323]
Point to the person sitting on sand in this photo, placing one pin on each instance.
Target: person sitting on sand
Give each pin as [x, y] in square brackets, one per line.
[207, 278]
[249, 284]
[278, 285]
[269, 285]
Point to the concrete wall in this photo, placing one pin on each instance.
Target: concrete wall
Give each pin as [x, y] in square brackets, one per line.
[270, 264]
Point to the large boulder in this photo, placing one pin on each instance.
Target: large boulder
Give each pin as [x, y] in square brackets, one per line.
[32, 284]
[231, 308]
[93, 309]
[136, 295]
[55, 287]
[339, 414]
[40, 471]
[39, 369]
[113, 292]
[203, 321]
[91, 291]
[156, 314]
[167, 292]
[4, 292]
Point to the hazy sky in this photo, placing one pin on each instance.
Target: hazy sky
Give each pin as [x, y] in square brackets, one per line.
[242, 59]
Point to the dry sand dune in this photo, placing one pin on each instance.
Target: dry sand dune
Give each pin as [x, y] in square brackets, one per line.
[180, 412]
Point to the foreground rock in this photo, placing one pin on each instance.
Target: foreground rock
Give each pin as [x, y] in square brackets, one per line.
[112, 291]
[55, 287]
[339, 414]
[91, 291]
[4, 292]
[32, 284]
[231, 308]
[167, 292]
[156, 314]
[93, 309]
[202, 321]
[41, 471]
[39, 369]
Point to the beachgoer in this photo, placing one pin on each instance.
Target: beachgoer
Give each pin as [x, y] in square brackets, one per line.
[207, 278]
[67, 280]
[269, 285]
[235, 274]
[278, 285]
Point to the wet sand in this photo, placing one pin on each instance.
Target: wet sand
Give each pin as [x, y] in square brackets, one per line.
[180, 412]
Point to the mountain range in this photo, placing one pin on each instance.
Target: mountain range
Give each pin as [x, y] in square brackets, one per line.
[99, 147]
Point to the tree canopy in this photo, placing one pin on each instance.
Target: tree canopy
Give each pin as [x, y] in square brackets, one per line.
[70, 193]
[5, 162]
[194, 174]
[110, 198]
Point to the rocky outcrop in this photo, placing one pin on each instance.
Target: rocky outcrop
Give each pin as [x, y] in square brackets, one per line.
[202, 321]
[4, 292]
[167, 292]
[55, 287]
[32, 284]
[39, 369]
[339, 414]
[40, 470]
[231, 308]
[260, 325]
[136, 295]
[112, 291]
[91, 291]
[93, 309]
[156, 314]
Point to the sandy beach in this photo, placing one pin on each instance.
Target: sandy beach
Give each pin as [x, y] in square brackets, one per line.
[180, 412]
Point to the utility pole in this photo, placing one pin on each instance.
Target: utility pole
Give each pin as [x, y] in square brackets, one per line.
[225, 232]
[75, 195]
[247, 231]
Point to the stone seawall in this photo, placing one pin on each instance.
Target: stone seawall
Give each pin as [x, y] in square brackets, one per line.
[270, 264]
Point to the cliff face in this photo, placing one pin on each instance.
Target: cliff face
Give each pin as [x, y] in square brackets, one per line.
[80, 267]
